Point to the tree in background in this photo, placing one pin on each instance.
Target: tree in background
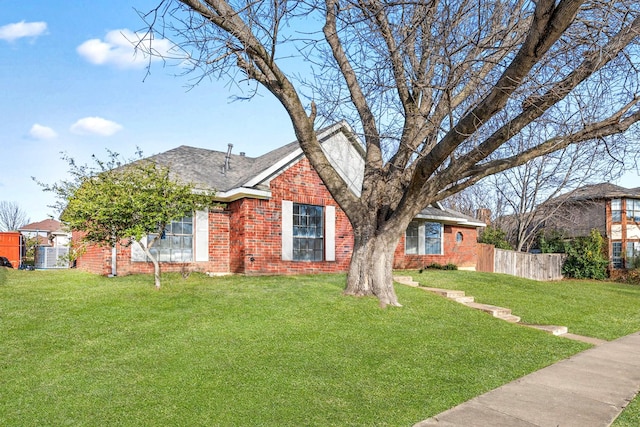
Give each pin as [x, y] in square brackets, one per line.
[437, 90]
[117, 203]
[12, 217]
[530, 192]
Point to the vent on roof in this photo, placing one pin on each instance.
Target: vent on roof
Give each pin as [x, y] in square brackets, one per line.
[242, 154]
[226, 166]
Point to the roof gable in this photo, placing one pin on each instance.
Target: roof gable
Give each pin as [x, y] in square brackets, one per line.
[246, 175]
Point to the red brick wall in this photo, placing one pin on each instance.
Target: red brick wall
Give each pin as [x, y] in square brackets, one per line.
[256, 226]
[463, 254]
[94, 259]
[97, 259]
[246, 237]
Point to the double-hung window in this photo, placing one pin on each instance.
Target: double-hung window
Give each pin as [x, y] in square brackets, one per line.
[412, 239]
[616, 254]
[432, 238]
[616, 210]
[176, 244]
[633, 254]
[423, 238]
[633, 210]
[308, 233]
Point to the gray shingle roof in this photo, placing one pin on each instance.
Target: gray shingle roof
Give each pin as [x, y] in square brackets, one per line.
[204, 168]
[603, 190]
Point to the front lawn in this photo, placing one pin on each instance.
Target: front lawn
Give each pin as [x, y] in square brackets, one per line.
[77, 349]
[600, 309]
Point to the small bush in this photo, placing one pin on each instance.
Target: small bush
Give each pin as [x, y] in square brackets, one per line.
[630, 277]
[585, 259]
[437, 266]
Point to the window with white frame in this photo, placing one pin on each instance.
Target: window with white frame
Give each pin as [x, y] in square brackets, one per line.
[616, 210]
[616, 254]
[423, 238]
[633, 255]
[411, 239]
[176, 244]
[432, 238]
[308, 233]
[633, 210]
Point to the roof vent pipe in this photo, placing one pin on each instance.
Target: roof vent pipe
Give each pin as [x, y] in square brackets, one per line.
[227, 158]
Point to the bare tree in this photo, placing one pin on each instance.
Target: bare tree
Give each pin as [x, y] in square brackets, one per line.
[12, 217]
[437, 89]
[529, 192]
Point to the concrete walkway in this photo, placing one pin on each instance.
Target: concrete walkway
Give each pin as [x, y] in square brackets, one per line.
[589, 389]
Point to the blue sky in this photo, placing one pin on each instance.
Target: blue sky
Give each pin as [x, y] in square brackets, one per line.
[70, 83]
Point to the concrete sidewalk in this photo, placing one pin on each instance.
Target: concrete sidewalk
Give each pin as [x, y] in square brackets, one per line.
[589, 389]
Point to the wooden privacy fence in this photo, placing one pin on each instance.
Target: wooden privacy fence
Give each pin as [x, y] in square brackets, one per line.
[521, 264]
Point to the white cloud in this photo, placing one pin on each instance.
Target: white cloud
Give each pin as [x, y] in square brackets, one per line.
[95, 126]
[11, 32]
[40, 132]
[119, 48]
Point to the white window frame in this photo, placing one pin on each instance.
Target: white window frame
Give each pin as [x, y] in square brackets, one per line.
[138, 254]
[329, 232]
[422, 239]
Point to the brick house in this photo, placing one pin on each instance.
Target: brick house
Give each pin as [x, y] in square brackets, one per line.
[277, 217]
[608, 208]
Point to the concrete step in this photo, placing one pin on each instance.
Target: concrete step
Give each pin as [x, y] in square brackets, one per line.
[464, 300]
[511, 318]
[447, 293]
[552, 329]
[493, 310]
[406, 280]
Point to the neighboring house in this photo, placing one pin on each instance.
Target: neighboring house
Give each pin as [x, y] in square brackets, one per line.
[51, 243]
[277, 217]
[608, 208]
[48, 233]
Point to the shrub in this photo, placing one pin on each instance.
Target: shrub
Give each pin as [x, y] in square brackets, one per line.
[437, 266]
[585, 259]
[552, 242]
[496, 237]
[631, 277]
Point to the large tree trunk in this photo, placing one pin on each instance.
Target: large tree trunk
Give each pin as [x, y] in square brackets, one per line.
[371, 268]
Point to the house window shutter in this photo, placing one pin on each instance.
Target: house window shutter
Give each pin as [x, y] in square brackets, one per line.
[421, 239]
[202, 236]
[137, 253]
[330, 233]
[287, 230]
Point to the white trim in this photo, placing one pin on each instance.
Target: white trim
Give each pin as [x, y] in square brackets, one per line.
[330, 233]
[201, 236]
[287, 230]
[273, 169]
[298, 153]
[451, 220]
[421, 238]
[240, 193]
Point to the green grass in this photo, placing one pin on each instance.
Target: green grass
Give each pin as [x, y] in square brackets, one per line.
[630, 417]
[598, 309]
[77, 349]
